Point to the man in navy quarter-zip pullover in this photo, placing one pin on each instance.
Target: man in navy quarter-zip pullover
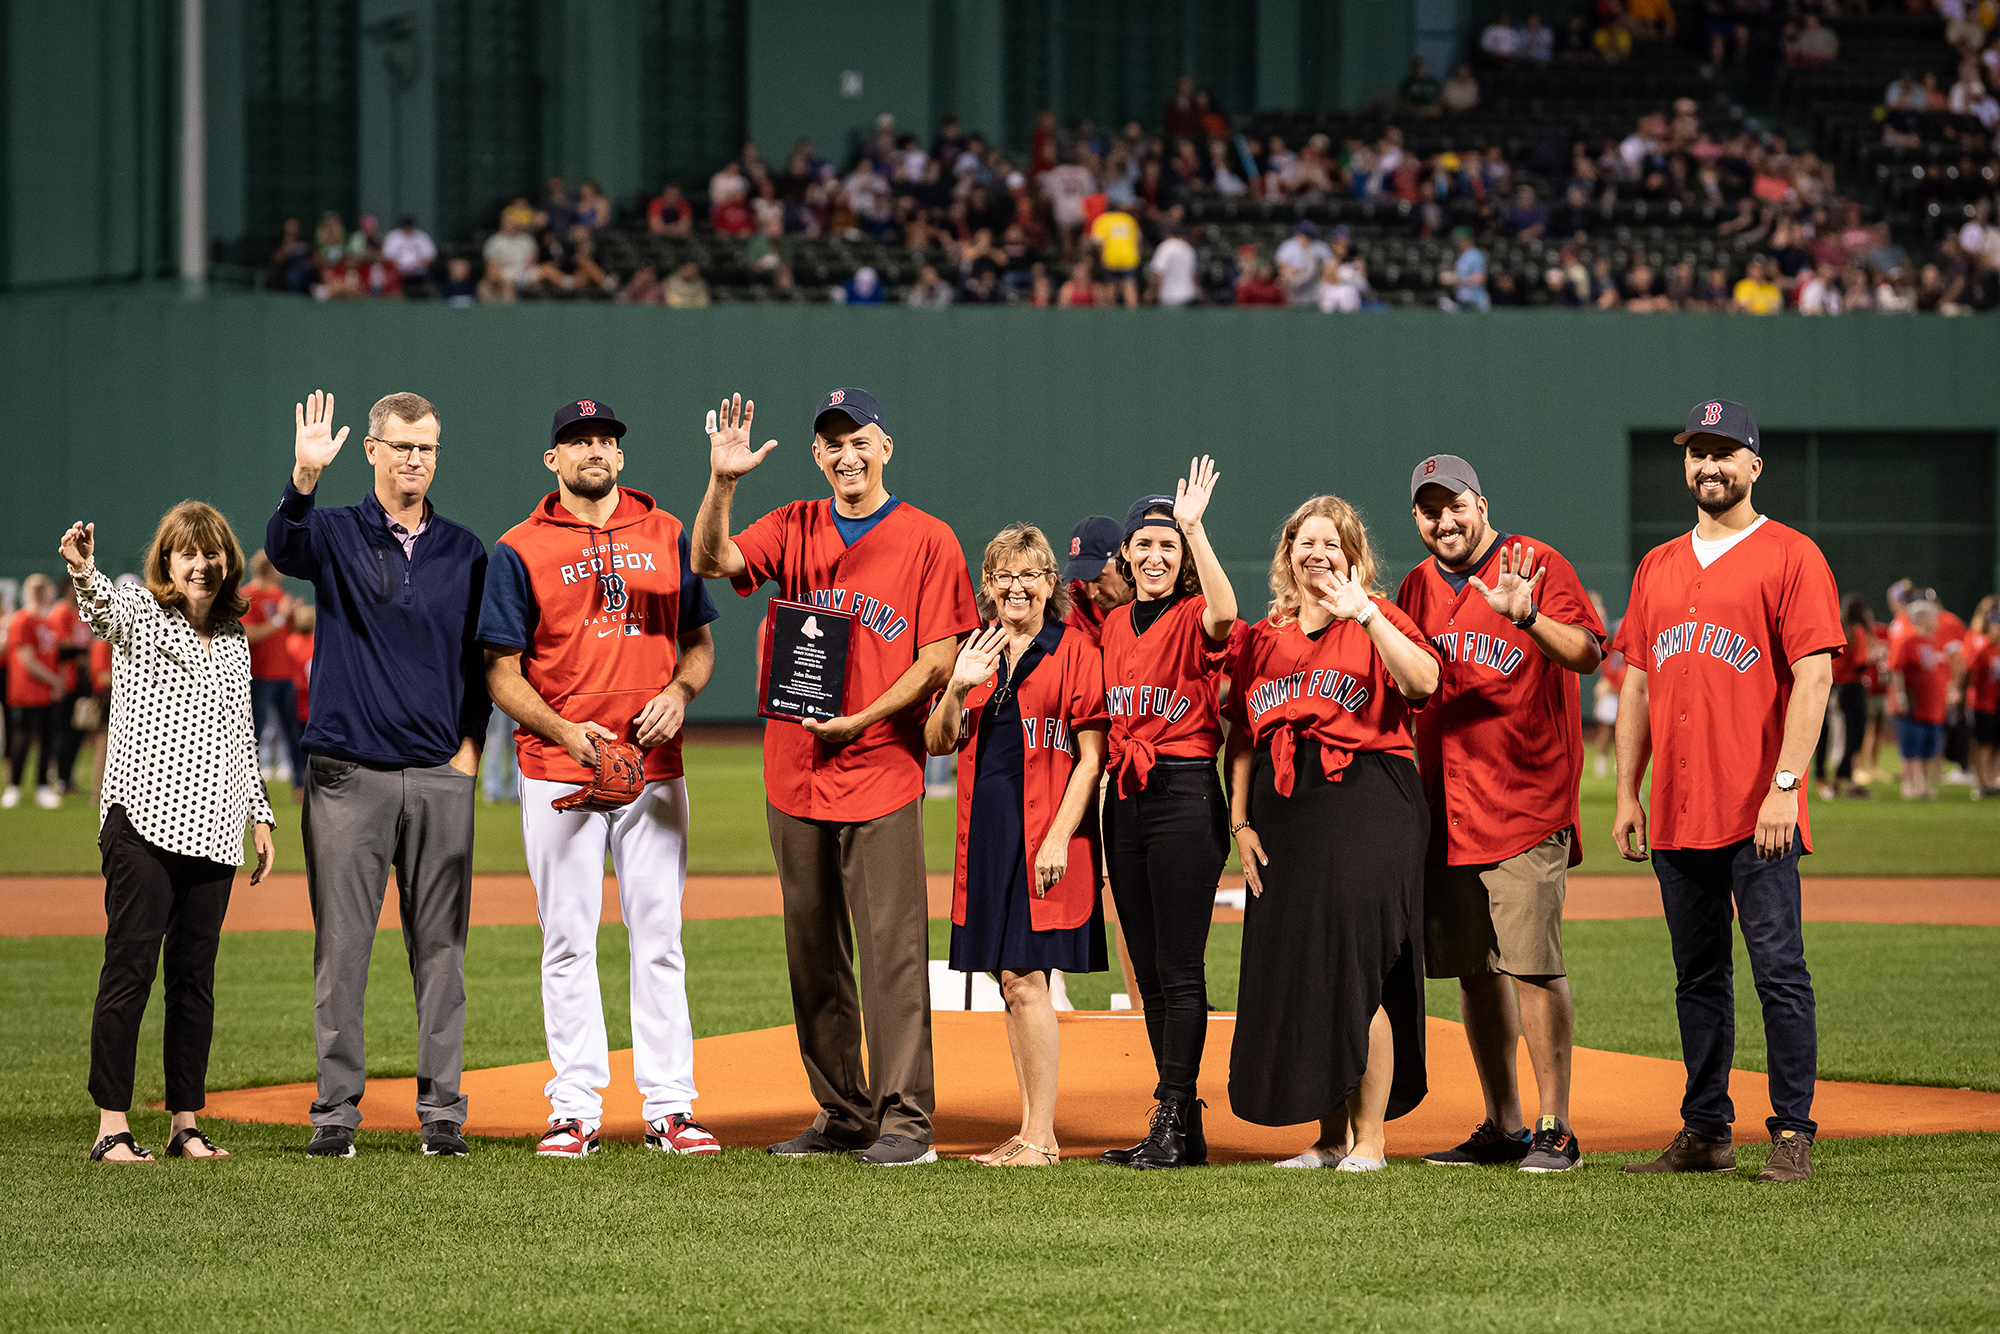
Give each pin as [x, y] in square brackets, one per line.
[399, 709]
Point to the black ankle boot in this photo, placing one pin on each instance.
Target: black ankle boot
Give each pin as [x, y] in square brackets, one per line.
[1123, 1157]
[1176, 1138]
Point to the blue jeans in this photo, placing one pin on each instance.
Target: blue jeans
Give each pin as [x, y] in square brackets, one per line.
[1696, 889]
[268, 693]
[500, 779]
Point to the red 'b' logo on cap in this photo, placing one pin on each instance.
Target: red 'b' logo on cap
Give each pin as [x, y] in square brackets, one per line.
[586, 407]
[1711, 415]
[837, 396]
[1076, 546]
[1430, 466]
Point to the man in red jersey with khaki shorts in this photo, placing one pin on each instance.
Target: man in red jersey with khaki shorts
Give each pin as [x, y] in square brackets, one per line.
[1501, 752]
[844, 795]
[1728, 638]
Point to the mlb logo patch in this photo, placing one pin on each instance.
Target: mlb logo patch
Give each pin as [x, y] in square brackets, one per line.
[631, 631]
[586, 407]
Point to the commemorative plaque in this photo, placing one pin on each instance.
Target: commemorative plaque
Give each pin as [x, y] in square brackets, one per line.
[805, 661]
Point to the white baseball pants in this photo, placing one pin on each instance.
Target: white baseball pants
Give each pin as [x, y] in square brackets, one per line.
[648, 845]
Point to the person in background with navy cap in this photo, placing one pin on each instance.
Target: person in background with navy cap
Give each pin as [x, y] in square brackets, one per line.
[844, 796]
[1096, 589]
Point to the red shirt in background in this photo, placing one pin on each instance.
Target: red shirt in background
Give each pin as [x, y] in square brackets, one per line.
[268, 659]
[71, 634]
[26, 630]
[100, 665]
[1926, 667]
[1852, 665]
[1982, 674]
[299, 648]
[1085, 617]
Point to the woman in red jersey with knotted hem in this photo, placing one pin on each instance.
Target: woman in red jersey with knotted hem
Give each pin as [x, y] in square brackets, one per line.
[1331, 821]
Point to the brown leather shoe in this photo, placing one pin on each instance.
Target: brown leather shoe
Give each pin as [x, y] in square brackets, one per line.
[1691, 1153]
[1790, 1160]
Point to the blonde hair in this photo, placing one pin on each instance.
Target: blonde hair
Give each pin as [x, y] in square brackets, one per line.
[1353, 544]
[1985, 615]
[194, 525]
[403, 407]
[1022, 539]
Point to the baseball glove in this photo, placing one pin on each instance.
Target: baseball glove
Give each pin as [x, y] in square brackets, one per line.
[621, 773]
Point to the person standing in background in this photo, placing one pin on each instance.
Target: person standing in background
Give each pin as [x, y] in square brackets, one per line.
[1980, 663]
[274, 699]
[74, 717]
[1604, 691]
[391, 750]
[1921, 668]
[1727, 638]
[1850, 702]
[299, 649]
[844, 795]
[34, 693]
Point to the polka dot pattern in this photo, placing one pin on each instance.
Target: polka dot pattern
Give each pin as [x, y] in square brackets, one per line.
[182, 758]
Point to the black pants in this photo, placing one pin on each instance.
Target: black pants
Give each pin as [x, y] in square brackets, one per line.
[153, 896]
[34, 726]
[1852, 699]
[1165, 849]
[1697, 887]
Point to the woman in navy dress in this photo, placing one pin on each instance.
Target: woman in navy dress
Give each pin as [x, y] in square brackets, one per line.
[1025, 713]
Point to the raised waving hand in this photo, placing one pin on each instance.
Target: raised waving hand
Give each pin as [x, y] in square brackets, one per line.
[1193, 492]
[978, 659]
[729, 452]
[78, 545]
[316, 444]
[1347, 598]
[1513, 592]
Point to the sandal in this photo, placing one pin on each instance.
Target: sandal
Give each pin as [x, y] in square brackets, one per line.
[988, 1158]
[110, 1142]
[1004, 1156]
[177, 1146]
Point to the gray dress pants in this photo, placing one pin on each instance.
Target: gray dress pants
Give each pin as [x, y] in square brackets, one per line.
[360, 822]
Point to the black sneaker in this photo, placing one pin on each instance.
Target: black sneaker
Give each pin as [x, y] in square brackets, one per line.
[897, 1151]
[443, 1140]
[808, 1143]
[1553, 1149]
[331, 1142]
[1488, 1147]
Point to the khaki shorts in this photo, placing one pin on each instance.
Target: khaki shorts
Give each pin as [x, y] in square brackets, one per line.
[1503, 917]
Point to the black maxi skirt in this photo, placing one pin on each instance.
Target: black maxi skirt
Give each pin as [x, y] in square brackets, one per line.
[1337, 932]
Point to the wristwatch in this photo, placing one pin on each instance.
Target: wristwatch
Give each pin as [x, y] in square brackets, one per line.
[1534, 614]
[1786, 781]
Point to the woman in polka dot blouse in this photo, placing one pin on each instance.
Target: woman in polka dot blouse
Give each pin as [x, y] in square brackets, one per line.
[180, 785]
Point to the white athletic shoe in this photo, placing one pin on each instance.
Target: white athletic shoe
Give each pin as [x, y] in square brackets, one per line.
[10, 798]
[1306, 1159]
[48, 798]
[1354, 1162]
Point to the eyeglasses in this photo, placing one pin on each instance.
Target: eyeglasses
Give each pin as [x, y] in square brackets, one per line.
[404, 449]
[1022, 578]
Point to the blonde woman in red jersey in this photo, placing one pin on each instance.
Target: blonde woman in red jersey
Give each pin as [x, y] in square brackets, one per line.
[1331, 820]
[1165, 843]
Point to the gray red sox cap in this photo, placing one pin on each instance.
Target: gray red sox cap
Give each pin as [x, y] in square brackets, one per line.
[1719, 416]
[1449, 471]
[593, 412]
[857, 405]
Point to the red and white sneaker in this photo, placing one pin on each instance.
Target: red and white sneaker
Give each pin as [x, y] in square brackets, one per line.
[681, 1133]
[567, 1139]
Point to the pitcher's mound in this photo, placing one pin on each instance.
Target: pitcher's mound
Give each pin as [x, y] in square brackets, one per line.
[753, 1092]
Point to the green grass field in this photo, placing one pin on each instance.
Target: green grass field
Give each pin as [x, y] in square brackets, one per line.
[1894, 1232]
[1881, 836]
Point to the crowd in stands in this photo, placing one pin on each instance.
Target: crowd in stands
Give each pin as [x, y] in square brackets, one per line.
[1415, 200]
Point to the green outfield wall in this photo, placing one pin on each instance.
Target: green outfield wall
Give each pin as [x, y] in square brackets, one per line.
[118, 403]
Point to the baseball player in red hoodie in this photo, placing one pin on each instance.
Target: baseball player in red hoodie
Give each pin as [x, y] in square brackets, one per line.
[595, 626]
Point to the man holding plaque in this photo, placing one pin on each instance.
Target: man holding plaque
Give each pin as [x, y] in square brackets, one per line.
[879, 597]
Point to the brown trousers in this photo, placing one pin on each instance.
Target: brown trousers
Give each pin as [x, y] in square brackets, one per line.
[847, 885]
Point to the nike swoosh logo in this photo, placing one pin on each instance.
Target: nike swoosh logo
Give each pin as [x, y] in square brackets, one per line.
[612, 631]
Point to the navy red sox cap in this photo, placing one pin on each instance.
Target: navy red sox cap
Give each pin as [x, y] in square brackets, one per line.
[1449, 471]
[857, 405]
[594, 412]
[1719, 416]
[1090, 545]
[1137, 518]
